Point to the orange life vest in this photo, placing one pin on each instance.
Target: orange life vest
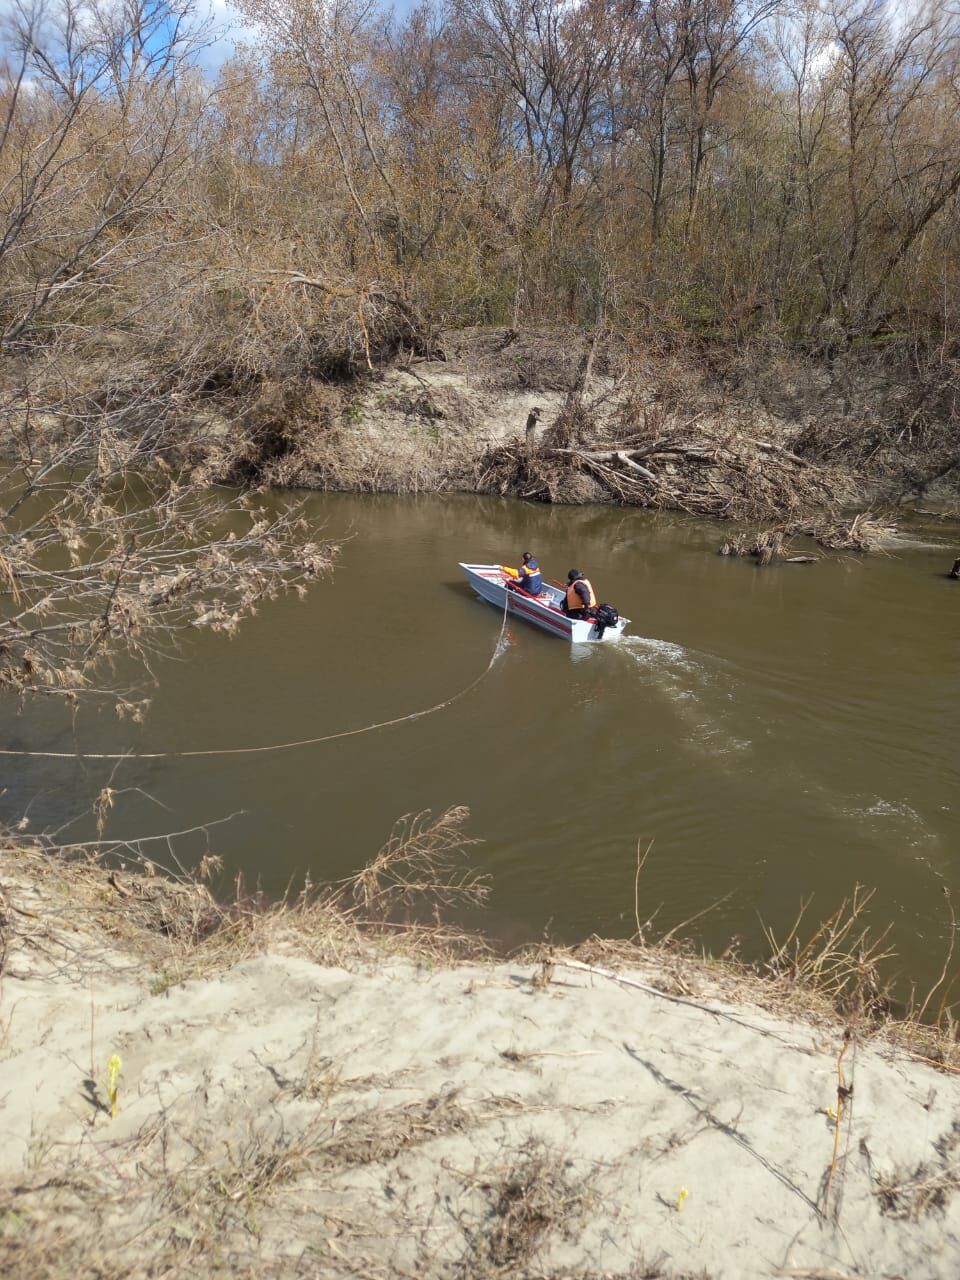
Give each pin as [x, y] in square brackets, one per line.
[573, 599]
[528, 573]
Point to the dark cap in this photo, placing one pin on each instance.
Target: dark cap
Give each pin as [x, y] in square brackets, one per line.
[527, 556]
[573, 575]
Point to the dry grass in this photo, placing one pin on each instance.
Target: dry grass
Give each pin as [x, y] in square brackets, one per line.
[864, 532]
[168, 916]
[528, 1201]
[842, 959]
[204, 1212]
[835, 971]
[401, 905]
[533, 1201]
[351, 453]
[380, 1134]
[928, 1187]
[133, 1210]
[417, 867]
[838, 968]
[924, 1191]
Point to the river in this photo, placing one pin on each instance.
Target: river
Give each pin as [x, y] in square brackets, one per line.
[774, 735]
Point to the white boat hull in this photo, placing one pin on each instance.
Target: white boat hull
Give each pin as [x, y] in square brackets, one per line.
[490, 583]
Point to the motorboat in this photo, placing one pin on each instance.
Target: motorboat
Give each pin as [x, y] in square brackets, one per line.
[493, 583]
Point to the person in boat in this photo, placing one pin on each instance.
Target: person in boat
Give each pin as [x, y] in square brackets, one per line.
[579, 600]
[530, 579]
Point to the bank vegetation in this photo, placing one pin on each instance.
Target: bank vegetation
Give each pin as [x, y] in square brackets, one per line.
[752, 202]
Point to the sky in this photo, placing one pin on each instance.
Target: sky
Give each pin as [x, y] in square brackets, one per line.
[231, 28]
[228, 28]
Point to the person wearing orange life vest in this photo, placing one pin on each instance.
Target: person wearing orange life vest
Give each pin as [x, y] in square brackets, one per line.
[530, 579]
[580, 600]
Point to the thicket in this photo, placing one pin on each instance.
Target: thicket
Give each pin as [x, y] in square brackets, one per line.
[774, 171]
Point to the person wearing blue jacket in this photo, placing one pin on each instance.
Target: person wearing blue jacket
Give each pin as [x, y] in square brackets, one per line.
[530, 579]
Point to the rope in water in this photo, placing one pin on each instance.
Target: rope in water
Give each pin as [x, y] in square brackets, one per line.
[275, 746]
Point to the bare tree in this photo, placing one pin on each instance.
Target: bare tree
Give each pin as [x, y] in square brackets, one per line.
[100, 119]
[105, 546]
[712, 36]
[325, 49]
[877, 141]
[108, 563]
[554, 58]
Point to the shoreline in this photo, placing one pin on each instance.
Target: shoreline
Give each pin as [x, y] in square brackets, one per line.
[773, 438]
[769, 438]
[299, 1094]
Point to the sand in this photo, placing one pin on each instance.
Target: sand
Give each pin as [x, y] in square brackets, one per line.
[282, 1117]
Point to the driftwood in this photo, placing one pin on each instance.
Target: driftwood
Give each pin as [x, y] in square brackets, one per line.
[606, 455]
[865, 532]
[779, 450]
[625, 458]
[674, 466]
[675, 453]
[767, 548]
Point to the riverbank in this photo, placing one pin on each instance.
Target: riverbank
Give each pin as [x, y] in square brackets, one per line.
[299, 1096]
[563, 416]
[555, 415]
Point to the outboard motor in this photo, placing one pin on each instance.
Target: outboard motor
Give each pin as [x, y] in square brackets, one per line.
[605, 616]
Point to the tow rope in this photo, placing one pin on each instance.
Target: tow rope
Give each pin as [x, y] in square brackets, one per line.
[275, 746]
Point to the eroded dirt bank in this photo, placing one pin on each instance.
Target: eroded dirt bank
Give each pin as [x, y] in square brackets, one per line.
[771, 436]
[186, 1092]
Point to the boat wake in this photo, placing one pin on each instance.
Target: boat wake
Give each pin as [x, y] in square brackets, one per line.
[876, 815]
[655, 652]
[735, 717]
[883, 823]
[698, 688]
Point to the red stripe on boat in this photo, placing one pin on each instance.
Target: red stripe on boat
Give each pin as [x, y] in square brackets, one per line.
[561, 628]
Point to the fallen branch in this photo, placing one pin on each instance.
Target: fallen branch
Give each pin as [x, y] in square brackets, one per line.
[613, 976]
[607, 455]
[779, 450]
[114, 883]
[625, 458]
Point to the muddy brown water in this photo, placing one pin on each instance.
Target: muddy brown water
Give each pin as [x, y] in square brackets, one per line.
[778, 734]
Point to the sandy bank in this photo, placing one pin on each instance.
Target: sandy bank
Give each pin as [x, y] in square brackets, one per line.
[284, 1117]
